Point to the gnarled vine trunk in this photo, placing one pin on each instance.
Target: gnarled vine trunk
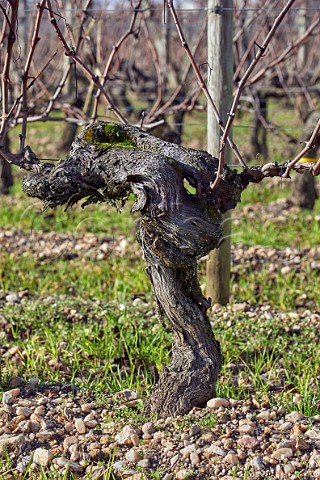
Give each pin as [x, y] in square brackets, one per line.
[106, 163]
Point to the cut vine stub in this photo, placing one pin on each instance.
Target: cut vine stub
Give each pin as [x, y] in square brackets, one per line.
[106, 163]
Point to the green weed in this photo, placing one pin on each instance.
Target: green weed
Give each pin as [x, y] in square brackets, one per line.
[80, 320]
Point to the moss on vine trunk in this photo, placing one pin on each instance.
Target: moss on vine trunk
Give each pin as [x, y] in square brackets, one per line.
[107, 135]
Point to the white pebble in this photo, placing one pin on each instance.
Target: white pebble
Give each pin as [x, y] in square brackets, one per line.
[148, 428]
[285, 426]
[133, 455]
[42, 456]
[314, 461]
[120, 466]
[294, 417]
[246, 429]
[282, 453]
[216, 403]
[231, 458]
[79, 425]
[124, 437]
[215, 450]
[135, 439]
[194, 458]
[186, 451]
[289, 469]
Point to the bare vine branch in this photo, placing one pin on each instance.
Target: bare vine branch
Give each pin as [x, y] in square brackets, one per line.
[5, 79]
[286, 53]
[261, 52]
[70, 52]
[156, 62]
[202, 83]
[167, 105]
[34, 42]
[31, 84]
[115, 49]
[309, 146]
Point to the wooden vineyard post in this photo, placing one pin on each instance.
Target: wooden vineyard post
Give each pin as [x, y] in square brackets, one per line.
[220, 84]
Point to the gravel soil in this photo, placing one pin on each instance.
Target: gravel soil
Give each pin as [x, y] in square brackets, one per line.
[60, 428]
[73, 433]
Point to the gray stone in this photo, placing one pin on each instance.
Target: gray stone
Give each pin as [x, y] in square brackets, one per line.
[60, 461]
[174, 460]
[64, 462]
[40, 411]
[88, 417]
[258, 463]
[314, 461]
[186, 451]
[25, 411]
[285, 426]
[75, 467]
[68, 441]
[10, 443]
[194, 430]
[246, 429]
[88, 407]
[7, 398]
[145, 463]
[264, 415]
[74, 456]
[91, 423]
[282, 453]
[95, 473]
[13, 298]
[148, 428]
[33, 381]
[294, 417]
[34, 426]
[248, 442]
[313, 434]
[47, 435]
[23, 464]
[295, 443]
